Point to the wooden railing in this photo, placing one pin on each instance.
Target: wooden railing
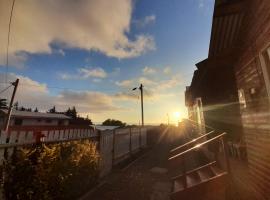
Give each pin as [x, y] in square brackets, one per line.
[190, 143]
[183, 154]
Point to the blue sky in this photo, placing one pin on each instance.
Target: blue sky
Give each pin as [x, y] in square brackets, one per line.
[93, 57]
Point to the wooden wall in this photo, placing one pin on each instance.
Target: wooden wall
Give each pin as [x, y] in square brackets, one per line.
[255, 36]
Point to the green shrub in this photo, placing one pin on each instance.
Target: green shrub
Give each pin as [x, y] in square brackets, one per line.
[56, 171]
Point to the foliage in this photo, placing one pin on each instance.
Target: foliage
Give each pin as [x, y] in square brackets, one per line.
[58, 171]
[52, 110]
[3, 104]
[113, 122]
[72, 112]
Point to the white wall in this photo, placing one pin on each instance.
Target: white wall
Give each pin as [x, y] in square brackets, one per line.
[40, 122]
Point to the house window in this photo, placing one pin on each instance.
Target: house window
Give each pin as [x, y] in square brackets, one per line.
[265, 61]
[18, 122]
[242, 99]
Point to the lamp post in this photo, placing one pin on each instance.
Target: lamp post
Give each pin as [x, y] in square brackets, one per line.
[141, 89]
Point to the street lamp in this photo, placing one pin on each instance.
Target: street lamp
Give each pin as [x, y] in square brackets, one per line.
[141, 89]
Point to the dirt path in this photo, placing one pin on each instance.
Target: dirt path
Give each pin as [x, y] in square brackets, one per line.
[146, 179]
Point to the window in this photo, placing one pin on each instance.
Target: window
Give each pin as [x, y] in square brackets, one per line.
[242, 99]
[18, 122]
[265, 61]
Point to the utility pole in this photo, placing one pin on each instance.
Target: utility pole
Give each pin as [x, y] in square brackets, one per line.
[15, 84]
[141, 89]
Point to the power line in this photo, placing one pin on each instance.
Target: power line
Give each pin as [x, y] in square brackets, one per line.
[5, 89]
[8, 38]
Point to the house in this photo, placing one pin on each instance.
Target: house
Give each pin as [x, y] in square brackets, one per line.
[233, 83]
[25, 118]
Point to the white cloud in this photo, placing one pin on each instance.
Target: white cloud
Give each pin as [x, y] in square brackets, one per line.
[34, 94]
[87, 101]
[150, 19]
[148, 70]
[167, 70]
[98, 25]
[125, 83]
[92, 72]
[147, 81]
[85, 73]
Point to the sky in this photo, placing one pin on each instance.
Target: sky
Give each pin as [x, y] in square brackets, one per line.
[91, 53]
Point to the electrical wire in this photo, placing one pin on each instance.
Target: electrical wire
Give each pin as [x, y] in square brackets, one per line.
[5, 89]
[8, 38]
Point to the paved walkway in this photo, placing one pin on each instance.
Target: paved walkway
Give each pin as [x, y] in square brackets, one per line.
[146, 179]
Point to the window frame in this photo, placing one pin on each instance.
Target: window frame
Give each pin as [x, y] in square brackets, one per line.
[265, 71]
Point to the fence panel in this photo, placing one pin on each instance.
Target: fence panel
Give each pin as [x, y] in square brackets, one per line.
[135, 139]
[121, 142]
[106, 150]
[143, 137]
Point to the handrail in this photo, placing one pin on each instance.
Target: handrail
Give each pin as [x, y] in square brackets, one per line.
[192, 141]
[197, 146]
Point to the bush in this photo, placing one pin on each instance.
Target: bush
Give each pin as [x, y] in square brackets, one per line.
[57, 171]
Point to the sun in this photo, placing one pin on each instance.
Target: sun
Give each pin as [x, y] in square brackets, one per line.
[177, 115]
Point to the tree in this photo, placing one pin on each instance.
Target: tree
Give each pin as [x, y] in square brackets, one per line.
[16, 105]
[72, 112]
[36, 110]
[52, 110]
[3, 104]
[113, 122]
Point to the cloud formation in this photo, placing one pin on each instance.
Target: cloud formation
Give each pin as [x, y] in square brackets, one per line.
[98, 25]
[33, 94]
[150, 19]
[85, 73]
[148, 70]
[167, 70]
[125, 83]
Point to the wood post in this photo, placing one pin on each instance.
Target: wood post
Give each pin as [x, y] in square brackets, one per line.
[130, 141]
[184, 171]
[113, 148]
[226, 157]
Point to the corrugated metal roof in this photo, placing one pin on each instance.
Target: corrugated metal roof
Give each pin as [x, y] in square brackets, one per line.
[103, 128]
[26, 114]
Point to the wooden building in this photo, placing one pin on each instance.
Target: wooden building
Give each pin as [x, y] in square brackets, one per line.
[234, 82]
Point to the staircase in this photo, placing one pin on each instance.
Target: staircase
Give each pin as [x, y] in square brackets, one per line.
[206, 182]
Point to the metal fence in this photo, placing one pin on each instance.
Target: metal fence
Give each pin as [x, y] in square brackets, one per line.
[119, 144]
[25, 136]
[115, 145]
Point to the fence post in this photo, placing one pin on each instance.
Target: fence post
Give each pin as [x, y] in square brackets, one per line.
[140, 137]
[113, 148]
[184, 171]
[225, 150]
[130, 141]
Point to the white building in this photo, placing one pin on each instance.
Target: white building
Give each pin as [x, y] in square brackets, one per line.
[25, 118]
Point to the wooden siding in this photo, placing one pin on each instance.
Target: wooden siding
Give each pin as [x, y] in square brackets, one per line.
[255, 35]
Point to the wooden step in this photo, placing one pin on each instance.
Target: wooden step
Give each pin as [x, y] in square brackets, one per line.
[207, 189]
[193, 179]
[194, 170]
[178, 185]
[216, 170]
[205, 173]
